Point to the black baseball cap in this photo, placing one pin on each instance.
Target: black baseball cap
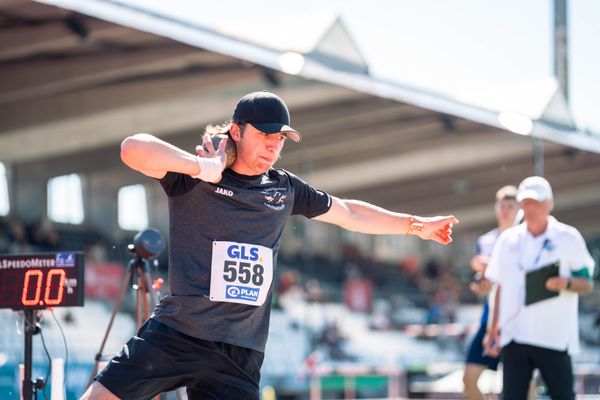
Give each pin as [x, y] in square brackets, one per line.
[266, 112]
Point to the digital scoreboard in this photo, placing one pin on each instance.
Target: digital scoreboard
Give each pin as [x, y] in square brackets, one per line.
[35, 281]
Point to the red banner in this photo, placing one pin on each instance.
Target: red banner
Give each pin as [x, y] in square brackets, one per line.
[103, 280]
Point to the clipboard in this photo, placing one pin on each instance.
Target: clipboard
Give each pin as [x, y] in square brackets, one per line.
[535, 283]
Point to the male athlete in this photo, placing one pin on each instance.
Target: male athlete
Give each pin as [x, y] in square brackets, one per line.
[209, 334]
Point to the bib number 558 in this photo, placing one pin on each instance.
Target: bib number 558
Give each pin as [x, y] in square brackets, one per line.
[243, 272]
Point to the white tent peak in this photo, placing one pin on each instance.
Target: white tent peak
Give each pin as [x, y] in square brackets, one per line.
[337, 49]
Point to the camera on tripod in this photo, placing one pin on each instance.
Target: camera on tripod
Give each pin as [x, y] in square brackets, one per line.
[147, 244]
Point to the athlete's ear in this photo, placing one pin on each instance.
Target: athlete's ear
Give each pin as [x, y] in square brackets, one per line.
[235, 132]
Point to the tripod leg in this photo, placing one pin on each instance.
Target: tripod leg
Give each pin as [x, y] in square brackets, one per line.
[140, 294]
[145, 298]
[124, 288]
[143, 311]
[153, 294]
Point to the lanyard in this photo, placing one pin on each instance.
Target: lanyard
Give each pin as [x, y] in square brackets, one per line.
[545, 245]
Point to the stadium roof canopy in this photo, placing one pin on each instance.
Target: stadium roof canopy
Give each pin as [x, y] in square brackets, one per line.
[410, 124]
[416, 53]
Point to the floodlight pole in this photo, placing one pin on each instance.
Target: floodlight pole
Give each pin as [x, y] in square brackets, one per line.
[538, 156]
[561, 54]
[561, 71]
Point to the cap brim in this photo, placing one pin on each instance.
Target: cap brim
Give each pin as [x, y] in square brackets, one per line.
[529, 194]
[275, 127]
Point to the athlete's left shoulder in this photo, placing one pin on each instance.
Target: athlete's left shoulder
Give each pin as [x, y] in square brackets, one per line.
[275, 175]
[282, 173]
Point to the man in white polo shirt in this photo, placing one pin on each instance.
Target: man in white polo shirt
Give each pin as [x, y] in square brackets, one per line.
[536, 326]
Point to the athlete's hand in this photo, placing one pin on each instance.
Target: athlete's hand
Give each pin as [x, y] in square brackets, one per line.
[230, 148]
[207, 150]
[438, 229]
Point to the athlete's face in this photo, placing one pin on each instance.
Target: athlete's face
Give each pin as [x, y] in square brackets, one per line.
[256, 151]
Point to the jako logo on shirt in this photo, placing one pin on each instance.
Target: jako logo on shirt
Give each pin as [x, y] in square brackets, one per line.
[224, 192]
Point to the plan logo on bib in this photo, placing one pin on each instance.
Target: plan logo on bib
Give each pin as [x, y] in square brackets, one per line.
[242, 293]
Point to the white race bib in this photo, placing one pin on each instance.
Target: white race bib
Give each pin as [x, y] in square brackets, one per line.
[240, 273]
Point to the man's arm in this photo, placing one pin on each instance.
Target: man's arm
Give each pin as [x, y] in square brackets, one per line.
[573, 284]
[491, 340]
[581, 269]
[359, 216]
[154, 157]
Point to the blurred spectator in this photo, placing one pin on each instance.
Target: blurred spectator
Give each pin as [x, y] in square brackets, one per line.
[288, 280]
[380, 318]
[97, 252]
[332, 339]
[358, 291]
[506, 209]
[314, 292]
[44, 235]
[5, 239]
[432, 269]
[443, 293]
[19, 243]
[447, 296]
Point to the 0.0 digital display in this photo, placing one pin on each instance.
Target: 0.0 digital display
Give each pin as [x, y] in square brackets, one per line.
[41, 280]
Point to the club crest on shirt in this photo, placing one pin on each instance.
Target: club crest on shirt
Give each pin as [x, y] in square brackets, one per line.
[274, 198]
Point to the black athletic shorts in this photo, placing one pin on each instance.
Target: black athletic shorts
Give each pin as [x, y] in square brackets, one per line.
[161, 359]
[475, 354]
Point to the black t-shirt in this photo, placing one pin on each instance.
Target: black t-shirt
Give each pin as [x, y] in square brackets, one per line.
[241, 209]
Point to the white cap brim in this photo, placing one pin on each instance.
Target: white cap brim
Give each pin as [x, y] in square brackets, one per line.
[530, 194]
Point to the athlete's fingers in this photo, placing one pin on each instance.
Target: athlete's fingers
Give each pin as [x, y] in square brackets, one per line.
[222, 152]
[223, 144]
[208, 145]
[443, 238]
[200, 151]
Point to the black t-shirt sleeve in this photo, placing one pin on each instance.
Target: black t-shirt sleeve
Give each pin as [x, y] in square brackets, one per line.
[174, 183]
[308, 201]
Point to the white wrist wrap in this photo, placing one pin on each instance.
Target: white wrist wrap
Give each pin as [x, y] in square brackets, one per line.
[210, 169]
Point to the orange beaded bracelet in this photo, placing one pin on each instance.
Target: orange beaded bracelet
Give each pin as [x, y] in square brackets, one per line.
[414, 226]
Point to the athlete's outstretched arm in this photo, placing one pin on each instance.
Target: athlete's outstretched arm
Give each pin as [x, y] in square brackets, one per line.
[154, 157]
[359, 216]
